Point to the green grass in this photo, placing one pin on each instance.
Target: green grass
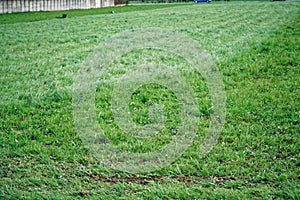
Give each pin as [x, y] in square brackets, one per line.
[256, 47]
[47, 15]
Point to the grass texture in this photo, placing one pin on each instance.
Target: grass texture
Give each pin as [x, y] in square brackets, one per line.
[255, 45]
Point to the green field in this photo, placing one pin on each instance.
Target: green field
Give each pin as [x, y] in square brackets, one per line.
[256, 47]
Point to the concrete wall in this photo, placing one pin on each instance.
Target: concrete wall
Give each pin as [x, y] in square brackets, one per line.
[9, 6]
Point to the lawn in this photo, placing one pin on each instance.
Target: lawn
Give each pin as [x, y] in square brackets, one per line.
[254, 45]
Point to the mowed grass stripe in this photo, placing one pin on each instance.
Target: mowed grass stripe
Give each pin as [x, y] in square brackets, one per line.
[239, 34]
[211, 26]
[71, 50]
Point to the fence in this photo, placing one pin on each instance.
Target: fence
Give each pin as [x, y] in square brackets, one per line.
[9, 6]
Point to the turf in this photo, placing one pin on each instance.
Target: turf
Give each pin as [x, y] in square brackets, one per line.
[256, 47]
[47, 15]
